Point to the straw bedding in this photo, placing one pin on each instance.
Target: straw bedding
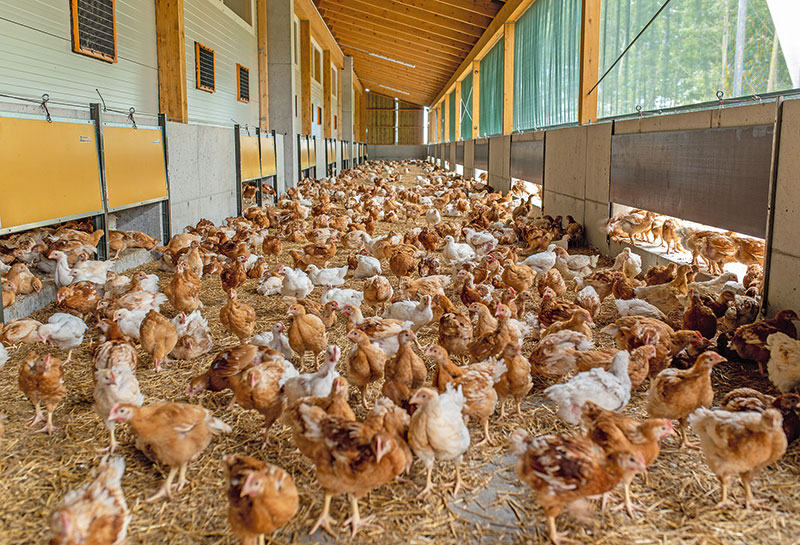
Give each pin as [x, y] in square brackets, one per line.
[36, 470]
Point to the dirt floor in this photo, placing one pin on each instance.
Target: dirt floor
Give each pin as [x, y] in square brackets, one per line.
[36, 470]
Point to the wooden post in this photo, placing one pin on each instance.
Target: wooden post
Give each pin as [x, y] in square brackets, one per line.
[508, 78]
[446, 113]
[476, 98]
[590, 60]
[339, 101]
[263, 87]
[363, 117]
[458, 110]
[327, 116]
[170, 43]
[305, 77]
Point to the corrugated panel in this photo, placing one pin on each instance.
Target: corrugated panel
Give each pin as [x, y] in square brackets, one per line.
[206, 22]
[717, 177]
[36, 56]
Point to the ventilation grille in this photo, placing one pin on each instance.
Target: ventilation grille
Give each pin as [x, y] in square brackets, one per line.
[204, 59]
[243, 79]
[94, 29]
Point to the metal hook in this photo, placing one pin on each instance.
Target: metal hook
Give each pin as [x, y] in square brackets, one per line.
[101, 99]
[45, 98]
[639, 110]
[131, 111]
[757, 97]
[720, 94]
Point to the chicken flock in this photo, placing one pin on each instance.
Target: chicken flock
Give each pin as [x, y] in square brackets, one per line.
[485, 273]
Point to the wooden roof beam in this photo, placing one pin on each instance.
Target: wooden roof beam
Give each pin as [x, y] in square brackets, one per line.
[401, 53]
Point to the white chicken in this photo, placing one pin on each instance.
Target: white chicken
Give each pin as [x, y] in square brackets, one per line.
[63, 330]
[367, 266]
[587, 298]
[628, 262]
[638, 307]
[63, 273]
[326, 277]
[419, 313]
[341, 296]
[194, 336]
[541, 262]
[129, 321]
[3, 355]
[482, 242]
[572, 266]
[783, 366]
[609, 390]
[456, 252]
[92, 271]
[317, 384]
[276, 340]
[112, 386]
[296, 283]
[270, 285]
[433, 217]
[148, 282]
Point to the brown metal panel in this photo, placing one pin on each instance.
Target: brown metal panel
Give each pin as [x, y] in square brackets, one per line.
[527, 161]
[460, 153]
[717, 177]
[482, 154]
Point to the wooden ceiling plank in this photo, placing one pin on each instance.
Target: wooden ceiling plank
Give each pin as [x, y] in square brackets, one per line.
[487, 8]
[393, 79]
[445, 10]
[467, 34]
[401, 53]
[440, 77]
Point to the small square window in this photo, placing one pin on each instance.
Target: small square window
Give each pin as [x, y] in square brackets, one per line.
[317, 66]
[242, 83]
[94, 29]
[319, 115]
[205, 75]
[335, 122]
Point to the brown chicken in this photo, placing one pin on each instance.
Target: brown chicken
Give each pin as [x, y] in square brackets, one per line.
[326, 312]
[41, 379]
[405, 372]
[476, 381]
[552, 310]
[366, 363]
[747, 399]
[699, 317]
[565, 468]
[23, 280]
[80, 299]
[580, 321]
[377, 290]
[661, 274]
[402, 261]
[234, 275]
[516, 381]
[429, 239]
[739, 444]
[261, 498]
[492, 343]
[158, 337]
[116, 349]
[8, 293]
[226, 369]
[519, 277]
[486, 323]
[614, 432]
[335, 404]
[259, 388]
[601, 280]
[183, 291]
[676, 393]
[96, 513]
[749, 341]
[272, 246]
[355, 457]
[237, 318]
[456, 332]
[306, 333]
[552, 279]
[171, 434]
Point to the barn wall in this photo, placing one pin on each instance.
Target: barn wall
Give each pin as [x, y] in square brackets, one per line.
[36, 56]
[233, 41]
[396, 153]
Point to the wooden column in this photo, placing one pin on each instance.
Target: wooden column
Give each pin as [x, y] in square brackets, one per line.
[590, 60]
[263, 87]
[171, 56]
[339, 101]
[508, 78]
[446, 111]
[327, 116]
[305, 77]
[458, 110]
[363, 117]
[476, 98]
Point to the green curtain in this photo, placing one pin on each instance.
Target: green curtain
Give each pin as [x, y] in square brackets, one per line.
[491, 100]
[451, 100]
[687, 54]
[441, 123]
[466, 107]
[547, 40]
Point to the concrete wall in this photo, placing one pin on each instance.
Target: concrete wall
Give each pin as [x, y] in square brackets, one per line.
[201, 174]
[395, 153]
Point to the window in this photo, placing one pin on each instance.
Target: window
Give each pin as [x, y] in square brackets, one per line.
[319, 115]
[295, 105]
[94, 29]
[204, 68]
[317, 65]
[242, 83]
[335, 122]
[334, 87]
[240, 8]
[296, 43]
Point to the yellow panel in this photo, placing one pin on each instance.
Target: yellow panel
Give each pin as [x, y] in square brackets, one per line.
[312, 153]
[304, 153]
[134, 160]
[248, 146]
[346, 151]
[268, 166]
[49, 171]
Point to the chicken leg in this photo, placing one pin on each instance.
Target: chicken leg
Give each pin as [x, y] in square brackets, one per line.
[37, 416]
[487, 440]
[355, 521]
[182, 476]
[48, 427]
[724, 502]
[555, 537]
[428, 483]
[325, 518]
[164, 491]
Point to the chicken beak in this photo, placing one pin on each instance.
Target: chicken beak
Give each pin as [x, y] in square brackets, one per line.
[247, 487]
[112, 377]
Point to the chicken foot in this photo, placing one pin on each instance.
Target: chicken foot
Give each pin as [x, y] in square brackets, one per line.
[325, 518]
[428, 483]
[48, 427]
[487, 440]
[628, 505]
[37, 416]
[164, 491]
[355, 521]
[684, 440]
[555, 537]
